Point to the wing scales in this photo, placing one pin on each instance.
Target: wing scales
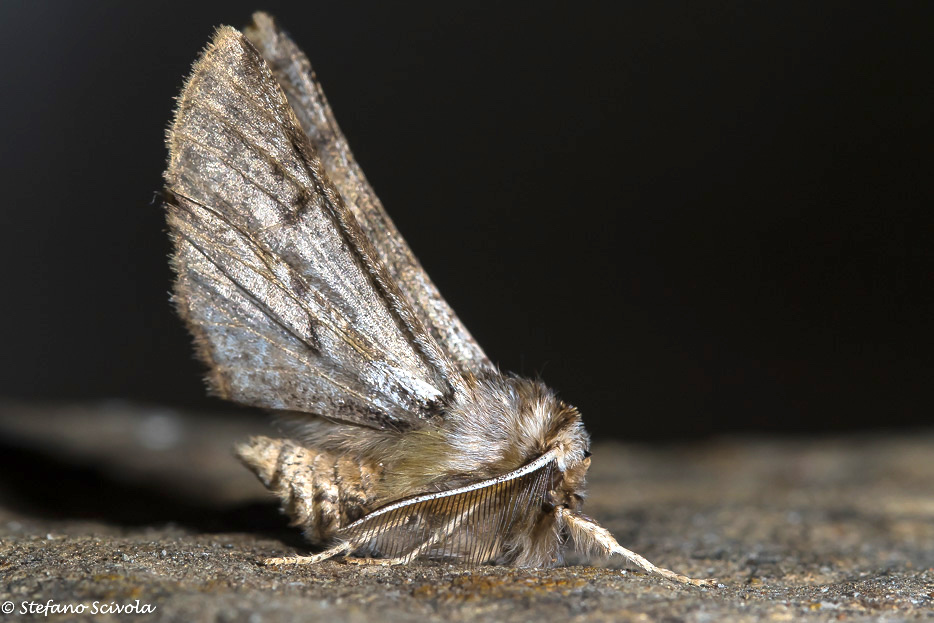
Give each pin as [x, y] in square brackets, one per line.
[297, 79]
[288, 301]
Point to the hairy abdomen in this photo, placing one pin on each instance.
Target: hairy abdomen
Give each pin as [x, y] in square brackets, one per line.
[320, 491]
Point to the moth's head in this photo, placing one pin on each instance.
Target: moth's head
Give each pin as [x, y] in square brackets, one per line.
[571, 444]
[501, 424]
[549, 424]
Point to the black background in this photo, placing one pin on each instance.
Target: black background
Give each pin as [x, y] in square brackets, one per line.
[688, 218]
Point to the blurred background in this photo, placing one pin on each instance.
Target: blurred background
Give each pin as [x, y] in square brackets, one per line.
[688, 218]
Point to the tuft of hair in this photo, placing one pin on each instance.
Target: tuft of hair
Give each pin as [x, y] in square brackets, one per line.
[592, 538]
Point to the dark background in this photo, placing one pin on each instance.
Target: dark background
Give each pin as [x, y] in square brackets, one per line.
[688, 218]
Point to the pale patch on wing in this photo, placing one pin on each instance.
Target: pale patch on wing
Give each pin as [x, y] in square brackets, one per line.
[288, 302]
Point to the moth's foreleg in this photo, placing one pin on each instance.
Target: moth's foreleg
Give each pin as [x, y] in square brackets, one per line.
[589, 534]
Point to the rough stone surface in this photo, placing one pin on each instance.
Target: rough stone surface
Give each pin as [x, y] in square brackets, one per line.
[116, 503]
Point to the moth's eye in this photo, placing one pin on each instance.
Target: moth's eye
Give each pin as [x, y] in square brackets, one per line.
[587, 454]
[550, 501]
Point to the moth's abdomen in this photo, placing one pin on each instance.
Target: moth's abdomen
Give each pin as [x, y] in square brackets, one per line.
[320, 491]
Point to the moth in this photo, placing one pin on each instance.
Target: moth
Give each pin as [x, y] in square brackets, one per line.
[404, 440]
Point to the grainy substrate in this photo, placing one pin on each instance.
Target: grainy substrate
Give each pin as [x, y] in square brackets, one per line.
[116, 503]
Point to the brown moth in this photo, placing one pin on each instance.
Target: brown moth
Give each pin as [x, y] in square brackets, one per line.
[405, 441]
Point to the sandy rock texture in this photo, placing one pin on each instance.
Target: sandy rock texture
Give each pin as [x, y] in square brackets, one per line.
[120, 505]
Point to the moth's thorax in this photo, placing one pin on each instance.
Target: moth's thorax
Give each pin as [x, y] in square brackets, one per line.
[500, 424]
[518, 419]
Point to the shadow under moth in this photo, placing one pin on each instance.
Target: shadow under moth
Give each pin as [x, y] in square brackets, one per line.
[404, 441]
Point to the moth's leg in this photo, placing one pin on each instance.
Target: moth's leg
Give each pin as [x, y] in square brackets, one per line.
[413, 553]
[376, 562]
[438, 535]
[342, 548]
[588, 532]
[337, 550]
[386, 562]
[434, 538]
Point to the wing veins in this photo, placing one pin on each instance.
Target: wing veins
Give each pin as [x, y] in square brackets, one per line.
[316, 370]
[361, 345]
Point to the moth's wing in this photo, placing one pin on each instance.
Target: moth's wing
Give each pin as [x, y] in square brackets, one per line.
[289, 304]
[295, 76]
